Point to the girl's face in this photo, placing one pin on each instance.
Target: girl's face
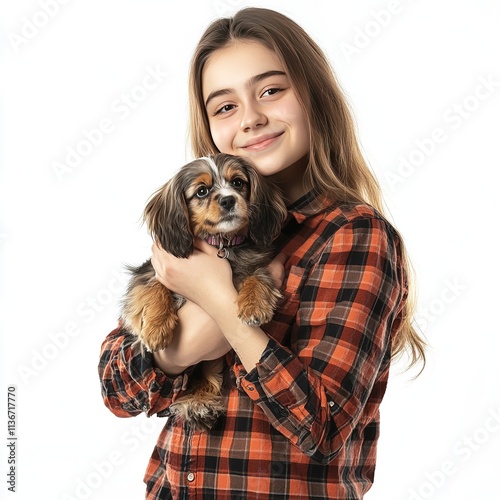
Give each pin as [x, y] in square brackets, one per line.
[253, 112]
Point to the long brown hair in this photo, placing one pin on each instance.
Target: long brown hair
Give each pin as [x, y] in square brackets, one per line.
[336, 166]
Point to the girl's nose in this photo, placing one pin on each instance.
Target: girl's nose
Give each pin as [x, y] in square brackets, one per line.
[252, 118]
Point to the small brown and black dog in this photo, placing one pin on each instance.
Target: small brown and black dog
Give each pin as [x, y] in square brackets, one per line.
[223, 200]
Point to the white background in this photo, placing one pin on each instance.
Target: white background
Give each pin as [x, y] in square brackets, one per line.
[423, 79]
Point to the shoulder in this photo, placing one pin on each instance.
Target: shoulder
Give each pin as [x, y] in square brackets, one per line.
[359, 217]
[339, 228]
[358, 239]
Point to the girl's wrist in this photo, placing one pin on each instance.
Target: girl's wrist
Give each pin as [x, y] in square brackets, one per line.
[247, 341]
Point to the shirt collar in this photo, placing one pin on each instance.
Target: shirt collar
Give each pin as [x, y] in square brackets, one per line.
[308, 205]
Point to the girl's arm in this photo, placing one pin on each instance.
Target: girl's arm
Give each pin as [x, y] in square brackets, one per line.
[197, 338]
[130, 382]
[206, 280]
[133, 382]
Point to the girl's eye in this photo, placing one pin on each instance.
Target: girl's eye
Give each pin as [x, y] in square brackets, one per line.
[272, 91]
[237, 183]
[224, 109]
[202, 192]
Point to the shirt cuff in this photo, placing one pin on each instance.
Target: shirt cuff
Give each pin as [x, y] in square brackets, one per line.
[160, 388]
[258, 383]
[162, 391]
[280, 376]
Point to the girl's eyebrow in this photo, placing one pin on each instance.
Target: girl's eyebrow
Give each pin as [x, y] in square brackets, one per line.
[255, 79]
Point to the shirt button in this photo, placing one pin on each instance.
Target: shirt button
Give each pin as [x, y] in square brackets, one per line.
[331, 404]
[190, 477]
[250, 388]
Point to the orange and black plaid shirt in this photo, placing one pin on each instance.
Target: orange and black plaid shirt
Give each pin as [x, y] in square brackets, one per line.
[304, 423]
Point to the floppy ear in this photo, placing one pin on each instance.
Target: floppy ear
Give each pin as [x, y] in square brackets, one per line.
[167, 218]
[267, 211]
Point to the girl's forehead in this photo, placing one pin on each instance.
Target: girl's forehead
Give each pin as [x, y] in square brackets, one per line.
[243, 49]
[236, 63]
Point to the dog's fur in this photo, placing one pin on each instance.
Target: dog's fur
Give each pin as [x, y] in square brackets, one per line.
[223, 200]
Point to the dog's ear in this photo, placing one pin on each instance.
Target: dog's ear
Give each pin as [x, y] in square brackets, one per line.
[167, 219]
[267, 209]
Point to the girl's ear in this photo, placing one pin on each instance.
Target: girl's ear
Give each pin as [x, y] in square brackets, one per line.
[167, 219]
[267, 209]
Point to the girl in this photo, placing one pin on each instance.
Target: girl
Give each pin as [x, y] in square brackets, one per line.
[303, 391]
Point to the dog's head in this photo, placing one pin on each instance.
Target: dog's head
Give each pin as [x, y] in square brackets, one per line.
[221, 195]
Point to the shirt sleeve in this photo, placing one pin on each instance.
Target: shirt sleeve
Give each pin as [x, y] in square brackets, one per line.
[130, 383]
[316, 392]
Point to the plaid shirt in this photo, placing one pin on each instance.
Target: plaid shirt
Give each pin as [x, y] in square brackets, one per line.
[304, 422]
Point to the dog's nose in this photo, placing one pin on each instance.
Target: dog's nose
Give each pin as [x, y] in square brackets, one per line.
[227, 202]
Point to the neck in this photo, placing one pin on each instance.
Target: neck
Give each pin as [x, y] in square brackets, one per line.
[291, 180]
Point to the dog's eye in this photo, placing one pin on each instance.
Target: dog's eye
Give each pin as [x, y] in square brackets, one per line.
[202, 192]
[237, 183]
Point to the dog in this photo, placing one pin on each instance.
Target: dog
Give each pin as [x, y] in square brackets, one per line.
[223, 200]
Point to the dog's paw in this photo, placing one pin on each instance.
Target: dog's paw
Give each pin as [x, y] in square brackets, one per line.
[253, 321]
[256, 302]
[157, 331]
[255, 318]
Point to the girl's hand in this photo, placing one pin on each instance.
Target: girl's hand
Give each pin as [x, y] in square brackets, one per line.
[277, 269]
[202, 278]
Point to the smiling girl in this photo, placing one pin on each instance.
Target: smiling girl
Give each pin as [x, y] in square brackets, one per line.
[302, 392]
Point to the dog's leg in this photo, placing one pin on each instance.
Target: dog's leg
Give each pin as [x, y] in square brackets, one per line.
[150, 314]
[204, 404]
[257, 298]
